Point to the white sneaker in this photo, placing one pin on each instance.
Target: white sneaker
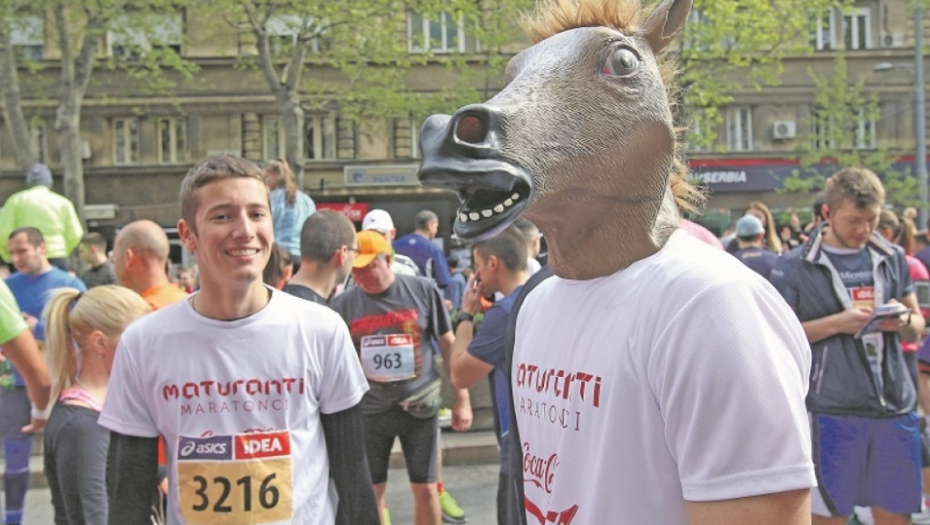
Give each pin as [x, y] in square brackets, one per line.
[922, 517]
[864, 515]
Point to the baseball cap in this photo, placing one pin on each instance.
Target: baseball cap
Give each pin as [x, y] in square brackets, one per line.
[749, 226]
[378, 220]
[370, 245]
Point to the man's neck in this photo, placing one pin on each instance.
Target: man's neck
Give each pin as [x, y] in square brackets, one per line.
[98, 260]
[424, 233]
[228, 303]
[151, 276]
[743, 245]
[510, 281]
[44, 268]
[316, 276]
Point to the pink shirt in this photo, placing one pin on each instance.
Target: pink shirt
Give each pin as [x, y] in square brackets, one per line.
[918, 273]
[701, 233]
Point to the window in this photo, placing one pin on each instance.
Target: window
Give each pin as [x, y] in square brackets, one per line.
[864, 130]
[283, 31]
[126, 141]
[856, 34]
[131, 40]
[700, 125]
[406, 135]
[172, 140]
[27, 34]
[40, 142]
[272, 137]
[319, 137]
[739, 129]
[444, 34]
[822, 35]
[822, 130]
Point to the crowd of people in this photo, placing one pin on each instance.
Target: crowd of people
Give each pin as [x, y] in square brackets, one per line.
[353, 328]
[356, 345]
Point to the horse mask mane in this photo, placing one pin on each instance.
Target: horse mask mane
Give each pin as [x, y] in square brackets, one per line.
[580, 138]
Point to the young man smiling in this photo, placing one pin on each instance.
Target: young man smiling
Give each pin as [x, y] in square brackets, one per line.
[254, 390]
[866, 441]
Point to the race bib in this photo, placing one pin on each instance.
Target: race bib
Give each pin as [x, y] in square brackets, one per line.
[863, 296]
[388, 358]
[235, 480]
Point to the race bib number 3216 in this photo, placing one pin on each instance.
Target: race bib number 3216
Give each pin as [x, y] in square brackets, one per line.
[235, 480]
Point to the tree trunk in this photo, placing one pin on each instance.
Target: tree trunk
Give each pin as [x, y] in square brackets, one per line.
[9, 93]
[75, 75]
[69, 124]
[293, 119]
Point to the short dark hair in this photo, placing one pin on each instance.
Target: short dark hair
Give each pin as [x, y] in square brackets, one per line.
[817, 206]
[424, 218]
[527, 229]
[859, 186]
[323, 233]
[33, 235]
[208, 170]
[96, 240]
[508, 246]
[279, 260]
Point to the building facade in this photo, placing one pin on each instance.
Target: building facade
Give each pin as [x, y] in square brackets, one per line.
[137, 144]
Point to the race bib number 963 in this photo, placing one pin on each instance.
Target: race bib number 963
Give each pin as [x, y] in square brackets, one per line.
[235, 480]
[388, 358]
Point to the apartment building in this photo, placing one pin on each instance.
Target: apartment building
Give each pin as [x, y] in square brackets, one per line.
[137, 145]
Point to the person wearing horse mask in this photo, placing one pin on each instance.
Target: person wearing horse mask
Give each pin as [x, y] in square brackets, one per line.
[655, 379]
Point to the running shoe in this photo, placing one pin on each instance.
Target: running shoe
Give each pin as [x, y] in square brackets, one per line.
[387, 517]
[451, 512]
[922, 517]
[861, 516]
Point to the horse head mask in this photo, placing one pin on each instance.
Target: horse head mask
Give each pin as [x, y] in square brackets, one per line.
[581, 132]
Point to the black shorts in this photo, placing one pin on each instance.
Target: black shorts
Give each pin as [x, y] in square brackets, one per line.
[418, 439]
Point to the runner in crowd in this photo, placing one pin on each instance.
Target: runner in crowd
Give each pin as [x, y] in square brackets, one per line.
[82, 331]
[866, 441]
[43, 209]
[99, 271]
[327, 249]
[35, 277]
[420, 247]
[500, 266]
[290, 207]
[279, 268]
[392, 319]
[254, 390]
[140, 259]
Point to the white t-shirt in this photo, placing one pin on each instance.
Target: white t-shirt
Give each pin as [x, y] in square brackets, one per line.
[239, 404]
[682, 377]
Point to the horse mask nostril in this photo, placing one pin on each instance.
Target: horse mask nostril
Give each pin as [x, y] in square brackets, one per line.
[471, 129]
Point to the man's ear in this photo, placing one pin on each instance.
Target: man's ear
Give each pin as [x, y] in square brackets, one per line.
[493, 262]
[186, 233]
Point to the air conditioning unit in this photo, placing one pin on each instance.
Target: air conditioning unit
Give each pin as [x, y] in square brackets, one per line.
[784, 129]
[891, 40]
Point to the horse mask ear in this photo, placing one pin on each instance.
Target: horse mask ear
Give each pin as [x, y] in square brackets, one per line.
[665, 22]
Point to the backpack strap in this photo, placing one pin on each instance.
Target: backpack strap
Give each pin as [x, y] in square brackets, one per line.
[516, 508]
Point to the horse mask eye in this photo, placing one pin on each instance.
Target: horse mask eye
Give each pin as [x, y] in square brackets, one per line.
[623, 62]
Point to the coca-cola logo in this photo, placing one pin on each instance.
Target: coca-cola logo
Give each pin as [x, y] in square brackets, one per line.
[538, 470]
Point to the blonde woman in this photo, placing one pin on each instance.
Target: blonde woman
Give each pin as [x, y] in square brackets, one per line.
[82, 330]
[290, 207]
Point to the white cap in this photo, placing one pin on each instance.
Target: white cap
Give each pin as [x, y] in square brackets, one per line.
[378, 220]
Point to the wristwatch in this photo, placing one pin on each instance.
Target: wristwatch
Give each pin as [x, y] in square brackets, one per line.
[462, 317]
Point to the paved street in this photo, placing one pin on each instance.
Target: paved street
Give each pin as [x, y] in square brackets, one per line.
[474, 486]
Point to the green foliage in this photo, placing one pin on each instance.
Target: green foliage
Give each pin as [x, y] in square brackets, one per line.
[738, 45]
[841, 134]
